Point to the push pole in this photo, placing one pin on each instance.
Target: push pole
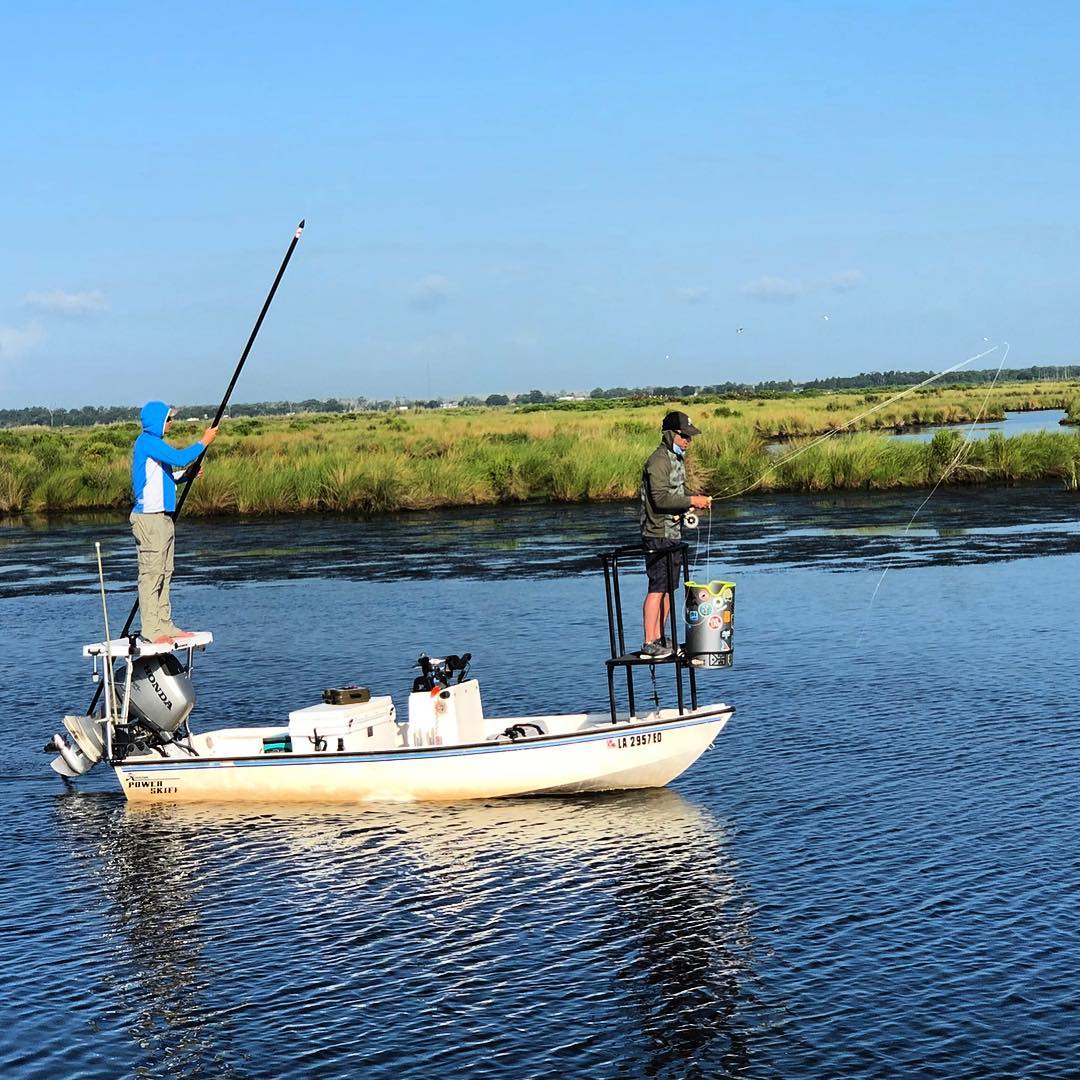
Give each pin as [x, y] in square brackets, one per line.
[193, 469]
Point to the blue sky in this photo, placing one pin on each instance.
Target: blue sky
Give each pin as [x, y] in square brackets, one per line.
[508, 196]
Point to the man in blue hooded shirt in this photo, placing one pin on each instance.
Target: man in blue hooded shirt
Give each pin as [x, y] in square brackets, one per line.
[155, 468]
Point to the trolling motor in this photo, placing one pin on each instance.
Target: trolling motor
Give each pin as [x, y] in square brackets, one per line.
[436, 671]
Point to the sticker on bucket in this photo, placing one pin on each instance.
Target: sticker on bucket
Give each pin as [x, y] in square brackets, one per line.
[710, 623]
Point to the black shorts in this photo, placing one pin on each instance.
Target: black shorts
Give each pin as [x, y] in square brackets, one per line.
[665, 574]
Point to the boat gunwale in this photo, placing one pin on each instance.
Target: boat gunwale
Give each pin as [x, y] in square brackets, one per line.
[691, 719]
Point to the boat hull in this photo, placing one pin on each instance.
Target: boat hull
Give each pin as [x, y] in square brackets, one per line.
[645, 753]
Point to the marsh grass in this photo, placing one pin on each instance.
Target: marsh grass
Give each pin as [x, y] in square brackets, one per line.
[370, 463]
[731, 460]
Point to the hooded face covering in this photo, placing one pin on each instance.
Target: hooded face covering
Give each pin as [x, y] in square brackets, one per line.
[153, 417]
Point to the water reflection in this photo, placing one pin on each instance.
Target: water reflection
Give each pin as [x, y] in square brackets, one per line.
[144, 868]
[691, 923]
[476, 909]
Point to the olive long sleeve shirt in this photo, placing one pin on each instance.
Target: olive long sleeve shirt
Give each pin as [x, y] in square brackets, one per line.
[663, 493]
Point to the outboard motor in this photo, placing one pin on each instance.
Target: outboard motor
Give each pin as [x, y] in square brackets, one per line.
[161, 692]
[148, 699]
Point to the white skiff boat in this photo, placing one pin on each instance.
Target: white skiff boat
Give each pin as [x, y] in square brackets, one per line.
[354, 748]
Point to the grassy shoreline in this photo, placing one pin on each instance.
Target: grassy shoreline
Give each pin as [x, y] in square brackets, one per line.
[379, 462]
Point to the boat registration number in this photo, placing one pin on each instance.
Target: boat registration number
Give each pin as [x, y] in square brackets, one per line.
[636, 740]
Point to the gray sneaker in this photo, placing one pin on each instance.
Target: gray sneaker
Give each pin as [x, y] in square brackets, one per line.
[655, 650]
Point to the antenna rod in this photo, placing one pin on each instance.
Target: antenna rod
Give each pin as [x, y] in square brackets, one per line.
[108, 641]
[194, 468]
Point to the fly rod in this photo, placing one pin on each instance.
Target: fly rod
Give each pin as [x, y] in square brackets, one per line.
[193, 469]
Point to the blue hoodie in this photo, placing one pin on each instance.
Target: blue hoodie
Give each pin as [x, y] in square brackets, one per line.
[153, 462]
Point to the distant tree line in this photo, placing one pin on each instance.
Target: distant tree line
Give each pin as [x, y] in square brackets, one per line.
[1035, 373]
[89, 415]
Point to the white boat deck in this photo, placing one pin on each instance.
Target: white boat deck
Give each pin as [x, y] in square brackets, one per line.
[589, 753]
[244, 742]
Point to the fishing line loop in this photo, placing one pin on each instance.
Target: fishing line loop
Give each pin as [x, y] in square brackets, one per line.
[967, 441]
[855, 419]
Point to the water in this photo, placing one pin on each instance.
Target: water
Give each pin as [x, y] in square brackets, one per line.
[1015, 423]
[873, 873]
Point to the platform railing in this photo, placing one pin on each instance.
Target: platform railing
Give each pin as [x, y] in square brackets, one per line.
[620, 658]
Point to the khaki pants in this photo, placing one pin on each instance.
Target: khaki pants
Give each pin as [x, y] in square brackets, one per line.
[154, 541]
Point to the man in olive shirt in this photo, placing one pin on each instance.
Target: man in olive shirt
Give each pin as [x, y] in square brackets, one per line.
[663, 503]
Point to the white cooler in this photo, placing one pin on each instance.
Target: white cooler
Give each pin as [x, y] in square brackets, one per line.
[355, 728]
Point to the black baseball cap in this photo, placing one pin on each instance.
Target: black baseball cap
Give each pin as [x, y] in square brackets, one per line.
[681, 423]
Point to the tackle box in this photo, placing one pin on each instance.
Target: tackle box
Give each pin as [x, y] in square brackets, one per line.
[346, 695]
